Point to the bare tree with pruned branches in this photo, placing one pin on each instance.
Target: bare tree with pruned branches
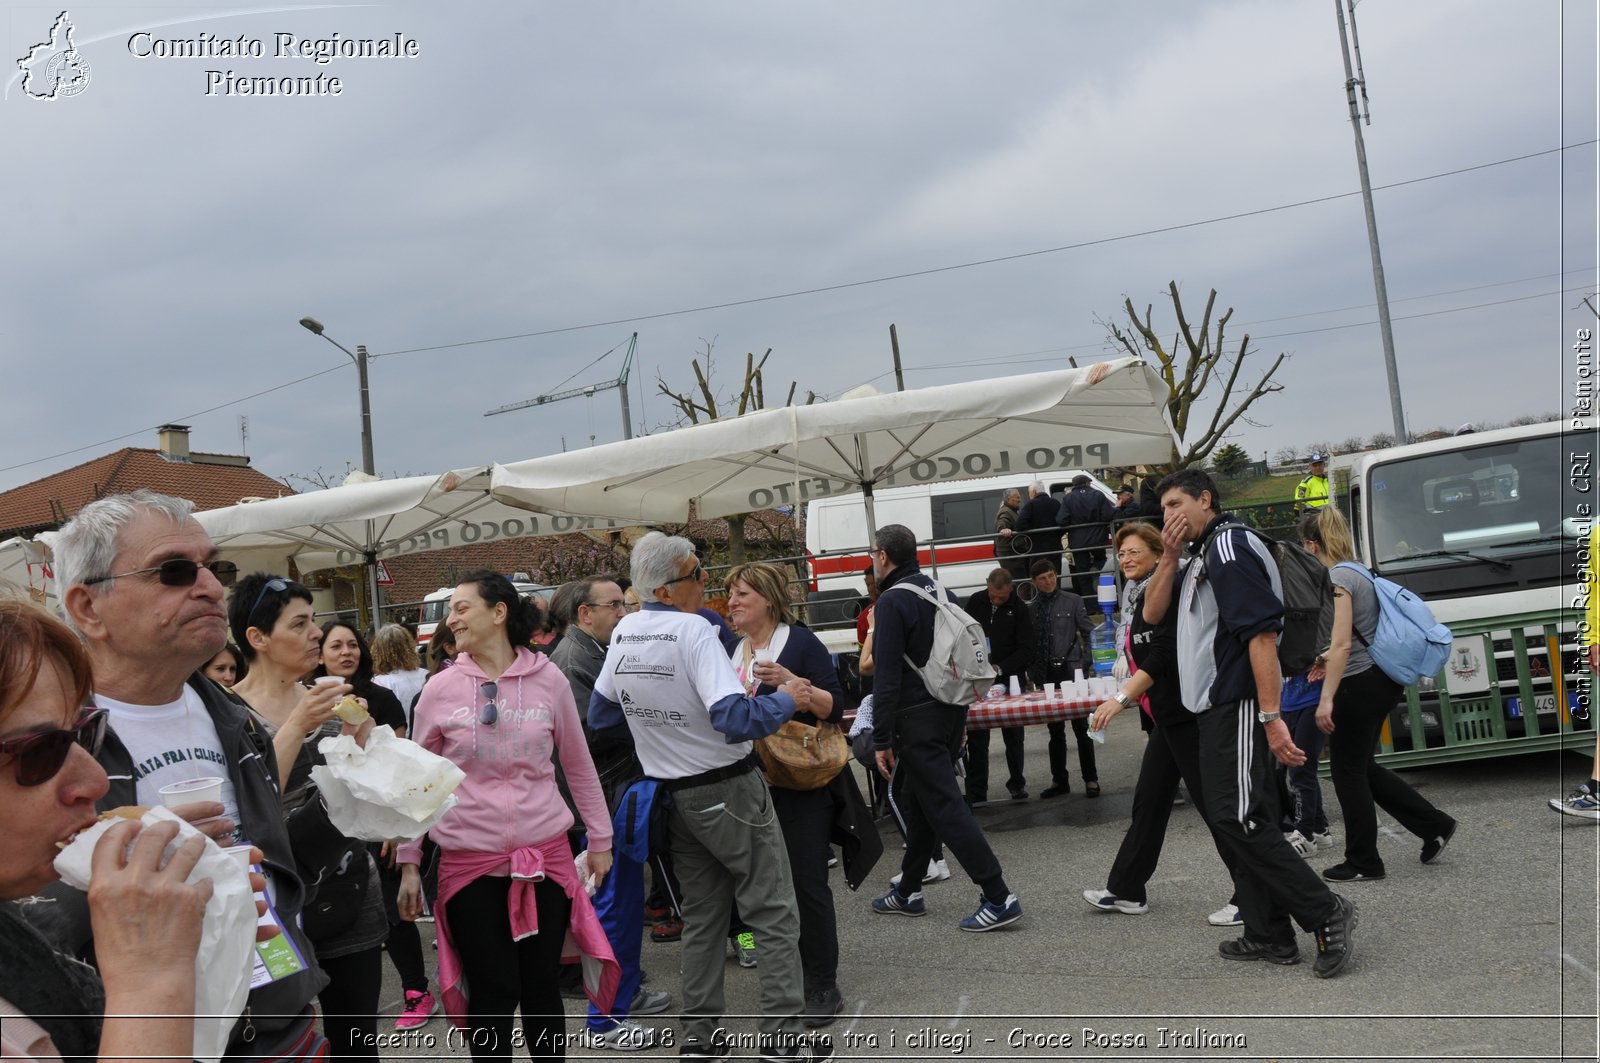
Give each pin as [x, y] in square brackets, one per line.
[1196, 359]
[703, 404]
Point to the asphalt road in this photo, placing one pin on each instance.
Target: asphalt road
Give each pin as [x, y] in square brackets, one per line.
[1491, 952]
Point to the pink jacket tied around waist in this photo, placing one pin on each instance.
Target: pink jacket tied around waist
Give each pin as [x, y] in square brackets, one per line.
[586, 943]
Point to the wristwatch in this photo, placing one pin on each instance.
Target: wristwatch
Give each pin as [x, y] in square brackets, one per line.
[1267, 717]
[1122, 699]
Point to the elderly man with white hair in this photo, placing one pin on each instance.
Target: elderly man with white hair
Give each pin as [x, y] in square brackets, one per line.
[142, 583]
[669, 680]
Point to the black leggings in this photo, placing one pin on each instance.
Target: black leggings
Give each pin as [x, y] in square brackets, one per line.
[502, 974]
[350, 1002]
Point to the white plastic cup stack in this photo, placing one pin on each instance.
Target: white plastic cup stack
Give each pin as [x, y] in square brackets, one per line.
[1050, 691]
[1016, 687]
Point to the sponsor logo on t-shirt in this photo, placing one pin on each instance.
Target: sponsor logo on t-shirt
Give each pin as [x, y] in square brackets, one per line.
[648, 715]
[632, 664]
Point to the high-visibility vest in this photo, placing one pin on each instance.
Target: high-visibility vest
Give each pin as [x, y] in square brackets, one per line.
[1312, 493]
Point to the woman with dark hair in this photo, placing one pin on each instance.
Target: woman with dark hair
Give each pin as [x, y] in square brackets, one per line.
[227, 667]
[345, 655]
[773, 651]
[272, 623]
[1357, 697]
[441, 653]
[508, 891]
[140, 1003]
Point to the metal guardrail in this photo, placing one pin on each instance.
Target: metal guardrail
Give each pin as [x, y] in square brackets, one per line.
[1441, 728]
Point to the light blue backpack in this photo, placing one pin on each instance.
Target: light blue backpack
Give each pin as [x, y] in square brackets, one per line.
[1408, 643]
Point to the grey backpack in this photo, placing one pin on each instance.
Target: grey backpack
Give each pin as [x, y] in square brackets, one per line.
[958, 670]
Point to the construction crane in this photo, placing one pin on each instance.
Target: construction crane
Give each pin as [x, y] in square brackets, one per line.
[620, 383]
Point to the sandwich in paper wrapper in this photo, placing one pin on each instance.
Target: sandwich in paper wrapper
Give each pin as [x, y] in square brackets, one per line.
[227, 934]
[391, 790]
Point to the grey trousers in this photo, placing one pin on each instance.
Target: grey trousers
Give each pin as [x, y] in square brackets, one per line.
[727, 846]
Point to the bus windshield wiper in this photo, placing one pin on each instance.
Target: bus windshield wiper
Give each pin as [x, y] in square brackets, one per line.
[1491, 561]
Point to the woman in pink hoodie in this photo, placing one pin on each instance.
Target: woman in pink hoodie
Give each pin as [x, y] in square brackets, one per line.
[511, 907]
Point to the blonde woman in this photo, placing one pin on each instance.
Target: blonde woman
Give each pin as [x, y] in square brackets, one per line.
[1356, 698]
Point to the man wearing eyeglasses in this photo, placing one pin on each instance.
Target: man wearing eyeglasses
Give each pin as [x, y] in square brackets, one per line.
[142, 584]
[669, 679]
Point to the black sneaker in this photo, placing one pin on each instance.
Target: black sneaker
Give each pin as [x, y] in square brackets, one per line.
[1019, 795]
[1244, 948]
[1348, 873]
[1435, 845]
[823, 1007]
[694, 1048]
[813, 1048]
[1335, 940]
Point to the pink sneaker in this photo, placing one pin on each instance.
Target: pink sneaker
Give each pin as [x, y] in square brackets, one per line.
[418, 1010]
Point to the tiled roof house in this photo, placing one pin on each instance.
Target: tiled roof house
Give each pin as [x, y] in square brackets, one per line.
[208, 480]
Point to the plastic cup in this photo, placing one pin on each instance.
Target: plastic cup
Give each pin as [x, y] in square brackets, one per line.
[241, 853]
[192, 791]
[327, 681]
[1050, 691]
[766, 656]
[1016, 687]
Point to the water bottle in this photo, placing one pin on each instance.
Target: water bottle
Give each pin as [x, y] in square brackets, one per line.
[1103, 646]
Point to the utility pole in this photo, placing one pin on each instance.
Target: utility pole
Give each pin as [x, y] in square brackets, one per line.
[1354, 79]
[899, 375]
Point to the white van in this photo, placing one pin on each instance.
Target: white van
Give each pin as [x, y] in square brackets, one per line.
[954, 519]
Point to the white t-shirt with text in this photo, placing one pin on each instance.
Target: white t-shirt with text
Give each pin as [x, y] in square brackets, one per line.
[169, 744]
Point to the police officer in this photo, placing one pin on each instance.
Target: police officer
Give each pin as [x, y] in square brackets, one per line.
[1312, 492]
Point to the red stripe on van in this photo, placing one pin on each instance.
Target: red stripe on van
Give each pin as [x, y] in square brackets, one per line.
[852, 564]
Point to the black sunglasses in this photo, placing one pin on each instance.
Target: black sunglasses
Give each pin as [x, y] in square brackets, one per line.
[697, 575]
[272, 586]
[38, 757]
[489, 713]
[179, 572]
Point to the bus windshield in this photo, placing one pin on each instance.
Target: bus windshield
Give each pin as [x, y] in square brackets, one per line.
[1490, 502]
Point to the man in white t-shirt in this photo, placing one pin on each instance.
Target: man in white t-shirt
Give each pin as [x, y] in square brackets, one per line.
[142, 583]
[669, 679]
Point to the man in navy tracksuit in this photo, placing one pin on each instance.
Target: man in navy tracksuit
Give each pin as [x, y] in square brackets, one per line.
[1230, 610]
[917, 740]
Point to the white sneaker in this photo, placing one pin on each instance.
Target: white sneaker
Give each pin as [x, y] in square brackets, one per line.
[1302, 845]
[1227, 915]
[1107, 901]
[938, 871]
[1323, 839]
[625, 1036]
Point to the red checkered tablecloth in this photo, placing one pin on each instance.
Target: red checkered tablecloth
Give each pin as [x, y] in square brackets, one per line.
[1027, 709]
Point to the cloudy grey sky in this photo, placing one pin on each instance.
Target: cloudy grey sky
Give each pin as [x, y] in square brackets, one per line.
[545, 166]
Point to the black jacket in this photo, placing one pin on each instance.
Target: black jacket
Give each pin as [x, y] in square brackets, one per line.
[1086, 514]
[1069, 630]
[1037, 512]
[273, 1012]
[902, 628]
[1010, 631]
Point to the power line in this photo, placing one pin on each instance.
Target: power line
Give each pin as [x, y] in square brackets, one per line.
[847, 285]
[182, 417]
[1029, 357]
[978, 262]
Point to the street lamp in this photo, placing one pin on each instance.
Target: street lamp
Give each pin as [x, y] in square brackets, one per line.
[314, 326]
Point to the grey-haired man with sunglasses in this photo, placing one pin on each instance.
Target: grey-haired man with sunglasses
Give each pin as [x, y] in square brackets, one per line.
[141, 582]
[669, 680]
